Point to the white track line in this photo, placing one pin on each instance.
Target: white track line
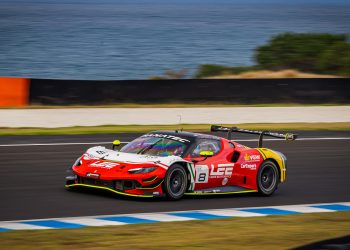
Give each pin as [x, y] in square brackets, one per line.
[232, 213]
[20, 226]
[91, 221]
[302, 209]
[109, 142]
[160, 217]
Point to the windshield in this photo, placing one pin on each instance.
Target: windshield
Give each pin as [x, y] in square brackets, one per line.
[155, 146]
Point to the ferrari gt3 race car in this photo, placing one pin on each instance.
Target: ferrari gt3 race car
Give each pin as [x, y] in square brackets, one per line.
[177, 163]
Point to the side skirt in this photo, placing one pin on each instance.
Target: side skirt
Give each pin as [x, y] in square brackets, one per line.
[222, 190]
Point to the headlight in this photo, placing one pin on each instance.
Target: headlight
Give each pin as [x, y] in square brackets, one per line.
[78, 162]
[141, 170]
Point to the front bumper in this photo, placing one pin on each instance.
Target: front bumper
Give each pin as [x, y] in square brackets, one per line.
[79, 185]
[121, 187]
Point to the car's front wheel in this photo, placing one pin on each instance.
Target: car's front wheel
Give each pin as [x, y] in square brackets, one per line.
[268, 178]
[175, 182]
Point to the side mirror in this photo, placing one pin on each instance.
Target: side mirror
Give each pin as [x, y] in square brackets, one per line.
[206, 153]
[116, 143]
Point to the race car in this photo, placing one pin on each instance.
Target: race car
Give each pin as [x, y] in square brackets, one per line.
[177, 163]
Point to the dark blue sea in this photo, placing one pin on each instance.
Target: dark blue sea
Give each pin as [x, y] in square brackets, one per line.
[136, 39]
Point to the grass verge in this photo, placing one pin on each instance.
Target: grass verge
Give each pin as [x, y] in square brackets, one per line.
[272, 232]
[188, 127]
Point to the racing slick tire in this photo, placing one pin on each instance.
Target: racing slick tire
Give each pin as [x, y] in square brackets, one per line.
[268, 178]
[175, 182]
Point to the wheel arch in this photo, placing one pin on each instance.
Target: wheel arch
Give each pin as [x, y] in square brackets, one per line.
[277, 165]
[189, 168]
[277, 158]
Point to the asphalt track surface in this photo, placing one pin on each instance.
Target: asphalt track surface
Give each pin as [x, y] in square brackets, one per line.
[32, 177]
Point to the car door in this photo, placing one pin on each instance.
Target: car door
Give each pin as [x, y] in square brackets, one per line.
[214, 171]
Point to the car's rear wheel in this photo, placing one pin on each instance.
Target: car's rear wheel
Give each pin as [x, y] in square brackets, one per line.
[175, 182]
[268, 178]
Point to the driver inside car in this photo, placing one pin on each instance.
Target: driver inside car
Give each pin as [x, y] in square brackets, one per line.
[204, 146]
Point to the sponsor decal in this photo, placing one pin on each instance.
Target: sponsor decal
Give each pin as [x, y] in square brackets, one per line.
[249, 166]
[172, 137]
[104, 164]
[101, 152]
[149, 157]
[202, 173]
[224, 181]
[221, 171]
[213, 191]
[93, 175]
[248, 157]
[88, 156]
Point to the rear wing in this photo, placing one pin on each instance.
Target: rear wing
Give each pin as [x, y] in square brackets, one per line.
[287, 136]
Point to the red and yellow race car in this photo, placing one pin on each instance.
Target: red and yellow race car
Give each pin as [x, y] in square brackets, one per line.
[177, 163]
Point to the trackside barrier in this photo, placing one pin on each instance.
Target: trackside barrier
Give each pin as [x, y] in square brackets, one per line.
[19, 92]
[14, 92]
[234, 91]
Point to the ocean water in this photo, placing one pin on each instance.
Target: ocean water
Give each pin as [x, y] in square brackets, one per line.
[136, 39]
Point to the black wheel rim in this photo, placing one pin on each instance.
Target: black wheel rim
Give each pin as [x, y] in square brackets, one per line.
[268, 178]
[177, 179]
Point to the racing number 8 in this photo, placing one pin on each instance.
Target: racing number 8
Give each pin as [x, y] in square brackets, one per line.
[201, 177]
[202, 173]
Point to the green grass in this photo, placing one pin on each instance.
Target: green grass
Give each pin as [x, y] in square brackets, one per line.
[188, 127]
[272, 232]
[175, 105]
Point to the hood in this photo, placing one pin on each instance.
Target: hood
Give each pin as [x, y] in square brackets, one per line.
[100, 152]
